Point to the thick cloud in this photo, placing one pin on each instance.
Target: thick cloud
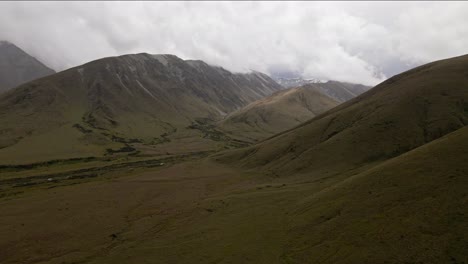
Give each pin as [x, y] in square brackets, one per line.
[356, 42]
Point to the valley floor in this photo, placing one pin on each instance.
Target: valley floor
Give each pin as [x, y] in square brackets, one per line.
[187, 213]
[410, 209]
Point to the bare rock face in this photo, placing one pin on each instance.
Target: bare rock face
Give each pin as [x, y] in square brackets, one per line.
[18, 67]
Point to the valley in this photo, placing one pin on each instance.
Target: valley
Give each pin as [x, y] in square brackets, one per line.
[147, 158]
[202, 211]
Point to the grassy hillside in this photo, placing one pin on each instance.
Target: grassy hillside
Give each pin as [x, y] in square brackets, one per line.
[120, 104]
[281, 111]
[379, 179]
[402, 113]
[409, 209]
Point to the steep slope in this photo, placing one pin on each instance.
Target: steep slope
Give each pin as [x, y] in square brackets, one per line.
[276, 113]
[113, 102]
[402, 113]
[410, 209]
[18, 67]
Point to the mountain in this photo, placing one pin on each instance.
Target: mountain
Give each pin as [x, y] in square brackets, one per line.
[296, 82]
[114, 103]
[409, 209]
[381, 178]
[287, 109]
[398, 115]
[340, 91]
[18, 67]
[278, 112]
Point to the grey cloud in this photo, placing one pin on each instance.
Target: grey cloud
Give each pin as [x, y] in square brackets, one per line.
[355, 42]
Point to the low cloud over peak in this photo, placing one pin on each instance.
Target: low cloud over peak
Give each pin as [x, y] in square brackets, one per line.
[353, 42]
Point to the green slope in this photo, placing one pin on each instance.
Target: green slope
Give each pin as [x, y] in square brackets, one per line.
[308, 195]
[120, 103]
[410, 209]
[276, 113]
[402, 113]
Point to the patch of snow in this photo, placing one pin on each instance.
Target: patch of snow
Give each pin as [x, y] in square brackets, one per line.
[221, 112]
[162, 59]
[195, 64]
[80, 71]
[132, 68]
[313, 80]
[144, 89]
[259, 75]
[292, 82]
[266, 87]
[126, 88]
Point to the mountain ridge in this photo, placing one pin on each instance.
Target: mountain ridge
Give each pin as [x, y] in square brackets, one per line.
[341, 91]
[140, 97]
[377, 113]
[273, 114]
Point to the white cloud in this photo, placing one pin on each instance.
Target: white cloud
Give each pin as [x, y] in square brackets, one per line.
[355, 42]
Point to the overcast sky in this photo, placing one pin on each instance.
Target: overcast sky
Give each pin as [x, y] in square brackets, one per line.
[360, 42]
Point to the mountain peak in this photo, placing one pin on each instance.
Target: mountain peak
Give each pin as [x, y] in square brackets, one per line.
[160, 94]
[18, 67]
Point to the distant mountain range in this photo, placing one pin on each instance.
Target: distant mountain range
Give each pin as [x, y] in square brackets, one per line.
[340, 91]
[286, 109]
[18, 67]
[296, 82]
